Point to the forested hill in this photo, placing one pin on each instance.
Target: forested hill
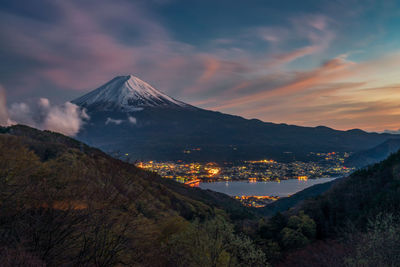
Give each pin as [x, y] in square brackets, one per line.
[63, 203]
[355, 223]
[359, 197]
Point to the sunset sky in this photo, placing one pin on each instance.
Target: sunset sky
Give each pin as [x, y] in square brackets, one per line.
[333, 63]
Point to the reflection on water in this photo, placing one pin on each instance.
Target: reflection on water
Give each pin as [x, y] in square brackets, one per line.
[283, 188]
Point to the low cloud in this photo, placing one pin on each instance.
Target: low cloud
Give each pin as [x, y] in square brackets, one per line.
[113, 121]
[392, 131]
[66, 119]
[132, 120]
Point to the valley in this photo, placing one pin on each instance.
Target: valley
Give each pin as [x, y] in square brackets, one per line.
[261, 194]
[254, 183]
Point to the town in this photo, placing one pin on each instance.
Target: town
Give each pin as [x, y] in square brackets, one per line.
[326, 165]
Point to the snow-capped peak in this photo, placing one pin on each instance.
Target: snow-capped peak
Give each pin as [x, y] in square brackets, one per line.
[127, 93]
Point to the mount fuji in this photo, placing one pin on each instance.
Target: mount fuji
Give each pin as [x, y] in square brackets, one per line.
[129, 116]
[127, 93]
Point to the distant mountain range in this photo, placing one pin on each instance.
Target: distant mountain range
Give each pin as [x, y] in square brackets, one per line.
[129, 116]
[373, 155]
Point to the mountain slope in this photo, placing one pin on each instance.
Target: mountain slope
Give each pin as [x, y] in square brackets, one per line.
[364, 194]
[361, 212]
[126, 93]
[374, 155]
[284, 204]
[163, 131]
[50, 145]
[66, 204]
[354, 223]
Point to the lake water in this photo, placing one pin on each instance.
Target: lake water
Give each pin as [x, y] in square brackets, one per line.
[283, 188]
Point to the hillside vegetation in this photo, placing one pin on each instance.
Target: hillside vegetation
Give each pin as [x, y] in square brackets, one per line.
[63, 203]
[355, 223]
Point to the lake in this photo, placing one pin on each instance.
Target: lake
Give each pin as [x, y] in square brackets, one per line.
[283, 188]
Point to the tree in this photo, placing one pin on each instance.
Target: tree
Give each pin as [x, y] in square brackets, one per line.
[213, 243]
[379, 246]
[300, 230]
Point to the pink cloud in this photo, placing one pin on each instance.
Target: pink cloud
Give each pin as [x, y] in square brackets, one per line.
[287, 57]
[327, 72]
[211, 67]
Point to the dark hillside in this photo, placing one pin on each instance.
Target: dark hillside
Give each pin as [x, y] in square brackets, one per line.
[359, 197]
[48, 145]
[63, 203]
[355, 223]
[286, 203]
[376, 154]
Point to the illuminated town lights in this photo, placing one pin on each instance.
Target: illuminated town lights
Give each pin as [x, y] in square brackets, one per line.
[302, 178]
[213, 171]
[262, 170]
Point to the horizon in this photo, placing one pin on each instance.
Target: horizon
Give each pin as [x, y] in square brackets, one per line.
[310, 64]
[394, 132]
[132, 75]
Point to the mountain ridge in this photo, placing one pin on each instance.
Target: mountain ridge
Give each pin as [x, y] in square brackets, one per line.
[374, 155]
[165, 132]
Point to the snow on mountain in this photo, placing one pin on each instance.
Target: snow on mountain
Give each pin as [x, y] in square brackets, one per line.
[127, 93]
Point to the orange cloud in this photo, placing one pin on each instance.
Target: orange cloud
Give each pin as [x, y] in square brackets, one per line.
[328, 72]
[293, 55]
[339, 93]
[211, 67]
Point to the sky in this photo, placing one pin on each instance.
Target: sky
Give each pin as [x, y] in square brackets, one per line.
[334, 63]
